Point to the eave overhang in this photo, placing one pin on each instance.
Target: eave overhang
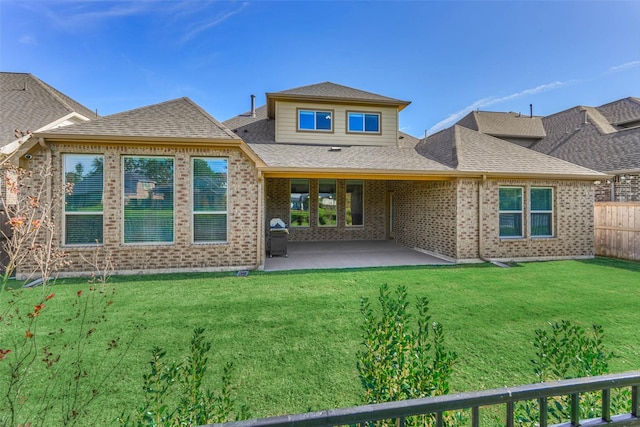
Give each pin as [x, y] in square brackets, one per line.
[151, 141]
[273, 97]
[415, 175]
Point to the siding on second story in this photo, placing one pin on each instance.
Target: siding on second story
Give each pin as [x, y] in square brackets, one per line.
[370, 125]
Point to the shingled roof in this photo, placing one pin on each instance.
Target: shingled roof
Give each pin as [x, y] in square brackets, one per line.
[467, 150]
[583, 135]
[622, 111]
[28, 104]
[178, 118]
[504, 124]
[331, 92]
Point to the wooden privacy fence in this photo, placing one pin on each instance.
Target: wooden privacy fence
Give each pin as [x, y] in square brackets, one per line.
[617, 228]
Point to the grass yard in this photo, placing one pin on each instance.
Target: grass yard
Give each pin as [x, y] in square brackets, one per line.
[293, 336]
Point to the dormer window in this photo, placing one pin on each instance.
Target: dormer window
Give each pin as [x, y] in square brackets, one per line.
[315, 120]
[358, 122]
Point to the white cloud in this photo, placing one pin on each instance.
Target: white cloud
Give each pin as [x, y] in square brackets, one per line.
[203, 26]
[486, 102]
[626, 66]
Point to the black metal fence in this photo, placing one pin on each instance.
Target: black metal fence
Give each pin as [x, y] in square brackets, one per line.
[474, 401]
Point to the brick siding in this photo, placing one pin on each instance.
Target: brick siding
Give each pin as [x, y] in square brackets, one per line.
[240, 250]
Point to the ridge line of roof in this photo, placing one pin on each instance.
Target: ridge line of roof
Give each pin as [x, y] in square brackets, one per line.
[212, 119]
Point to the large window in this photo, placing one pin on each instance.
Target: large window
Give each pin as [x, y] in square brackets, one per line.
[148, 199]
[354, 209]
[209, 200]
[299, 209]
[327, 203]
[510, 211]
[314, 120]
[363, 122]
[541, 212]
[83, 209]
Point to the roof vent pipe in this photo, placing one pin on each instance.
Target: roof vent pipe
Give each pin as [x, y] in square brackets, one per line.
[253, 106]
[585, 117]
[531, 110]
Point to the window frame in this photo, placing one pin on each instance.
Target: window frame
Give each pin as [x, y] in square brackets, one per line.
[315, 112]
[66, 213]
[308, 210]
[512, 212]
[335, 193]
[194, 213]
[173, 204]
[364, 114]
[541, 211]
[346, 204]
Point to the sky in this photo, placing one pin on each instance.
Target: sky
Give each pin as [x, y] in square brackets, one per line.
[447, 58]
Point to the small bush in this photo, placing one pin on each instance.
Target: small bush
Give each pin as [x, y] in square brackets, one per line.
[166, 384]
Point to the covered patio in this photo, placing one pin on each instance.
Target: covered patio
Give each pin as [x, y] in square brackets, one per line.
[348, 254]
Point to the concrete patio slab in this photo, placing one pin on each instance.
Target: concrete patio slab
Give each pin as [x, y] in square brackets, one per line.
[348, 254]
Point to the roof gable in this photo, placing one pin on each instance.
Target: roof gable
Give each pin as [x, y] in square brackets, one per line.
[329, 92]
[178, 118]
[30, 104]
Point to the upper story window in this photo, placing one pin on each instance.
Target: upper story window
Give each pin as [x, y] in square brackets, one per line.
[363, 122]
[315, 120]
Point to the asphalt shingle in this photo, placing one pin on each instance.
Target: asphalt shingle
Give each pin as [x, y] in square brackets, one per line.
[178, 118]
[28, 104]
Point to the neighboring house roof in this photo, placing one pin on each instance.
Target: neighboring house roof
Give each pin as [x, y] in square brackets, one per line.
[583, 135]
[467, 150]
[29, 104]
[178, 118]
[331, 92]
[622, 111]
[504, 124]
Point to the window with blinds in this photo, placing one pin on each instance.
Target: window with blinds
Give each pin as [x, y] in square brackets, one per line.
[148, 199]
[210, 181]
[83, 208]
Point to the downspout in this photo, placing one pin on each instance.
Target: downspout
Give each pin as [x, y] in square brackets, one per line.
[480, 221]
[260, 226]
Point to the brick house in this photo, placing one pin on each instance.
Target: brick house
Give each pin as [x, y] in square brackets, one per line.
[168, 188]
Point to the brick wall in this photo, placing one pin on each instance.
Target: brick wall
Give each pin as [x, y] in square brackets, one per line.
[240, 250]
[624, 190]
[426, 215]
[278, 203]
[573, 222]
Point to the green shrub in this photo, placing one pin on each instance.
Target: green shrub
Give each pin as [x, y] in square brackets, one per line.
[397, 363]
[564, 351]
[195, 405]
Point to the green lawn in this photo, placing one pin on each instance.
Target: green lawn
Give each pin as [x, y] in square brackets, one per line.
[293, 336]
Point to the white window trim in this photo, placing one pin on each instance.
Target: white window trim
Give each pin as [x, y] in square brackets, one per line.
[64, 205]
[194, 213]
[532, 211]
[315, 125]
[368, 132]
[172, 242]
[520, 211]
